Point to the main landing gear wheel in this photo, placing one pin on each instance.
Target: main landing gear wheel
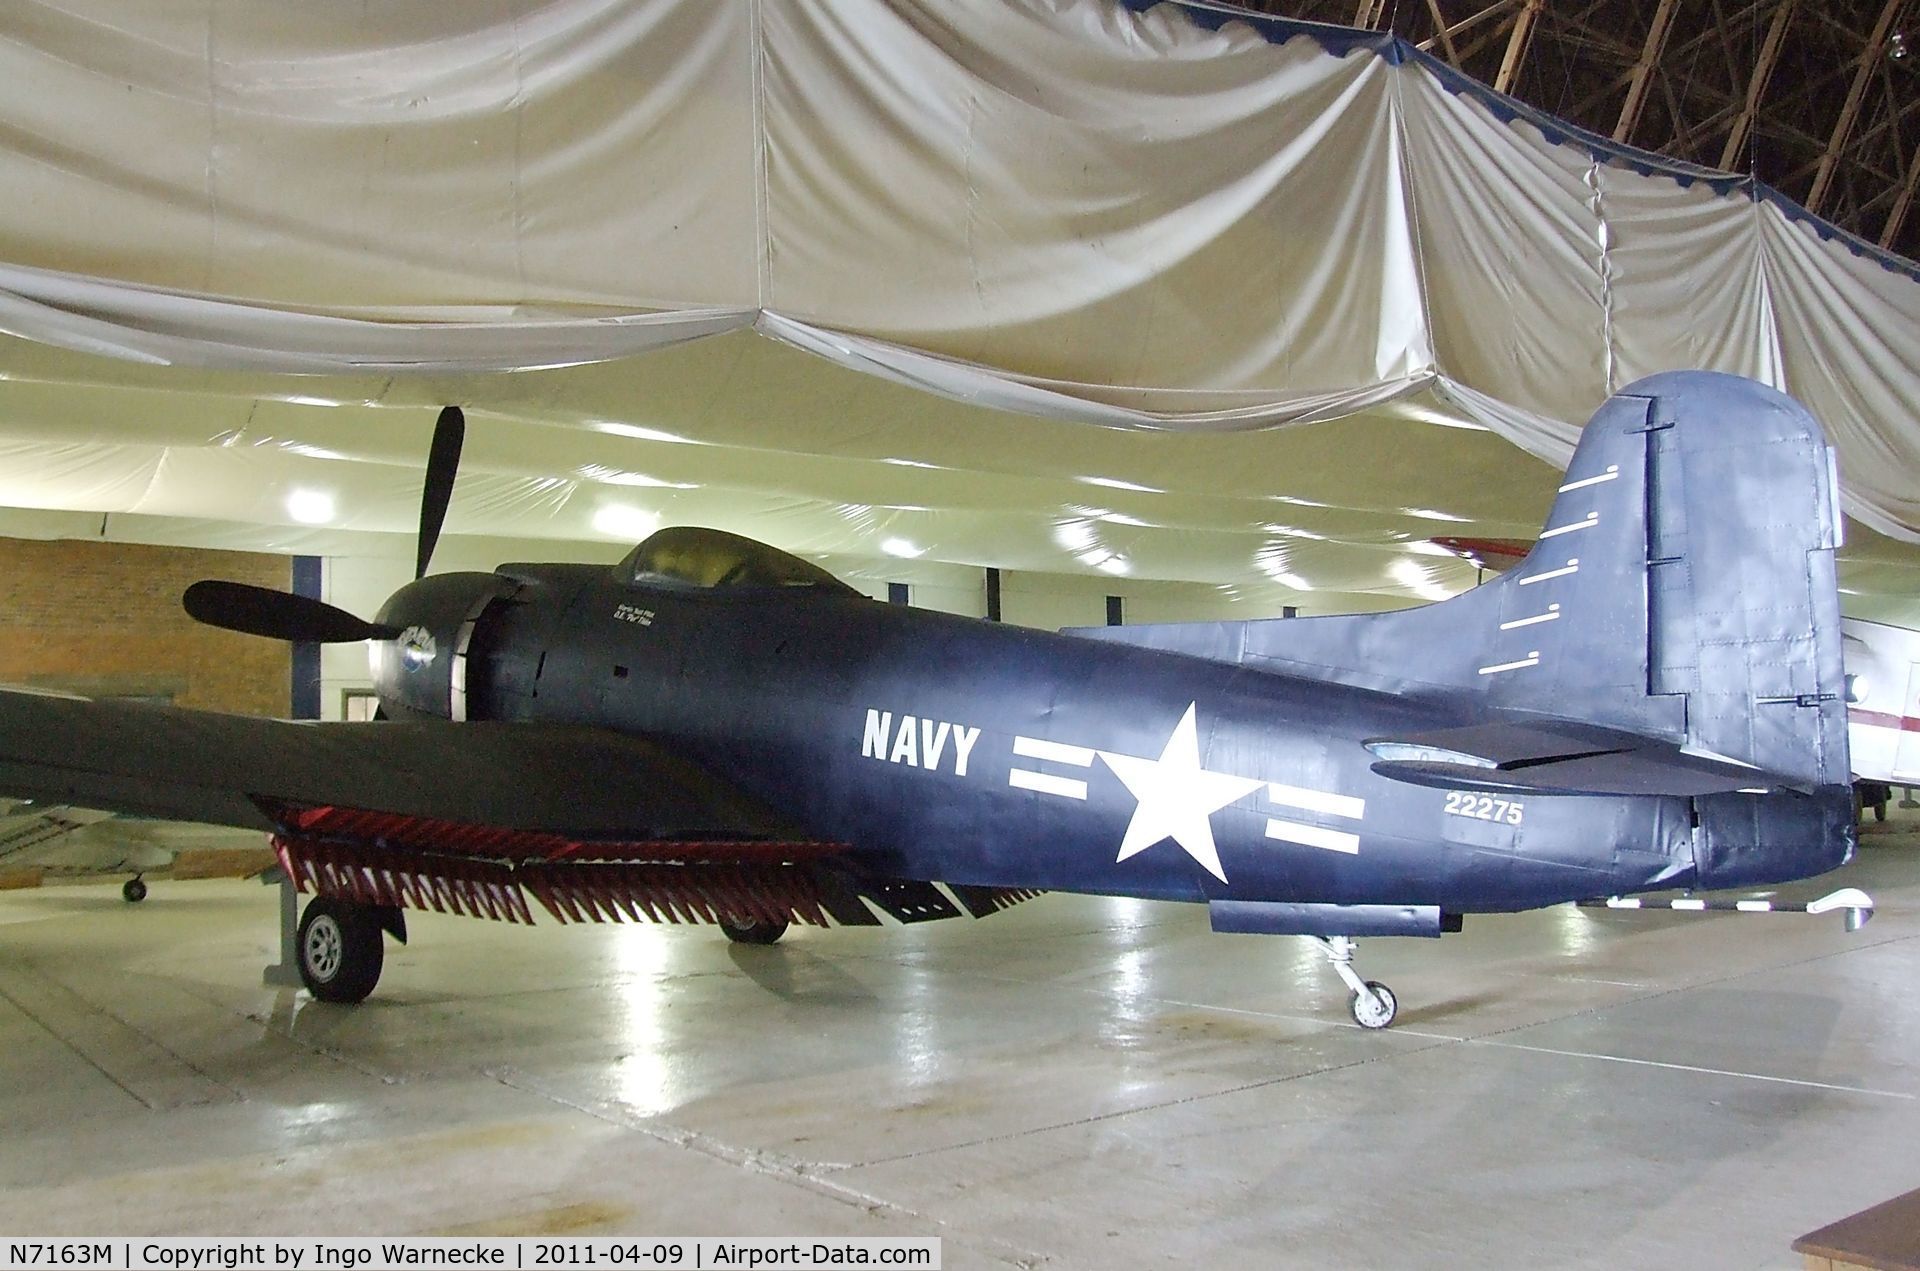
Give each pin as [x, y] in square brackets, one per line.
[1374, 1008]
[134, 890]
[754, 932]
[340, 950]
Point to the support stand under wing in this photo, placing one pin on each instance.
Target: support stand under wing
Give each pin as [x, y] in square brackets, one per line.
[285, 974]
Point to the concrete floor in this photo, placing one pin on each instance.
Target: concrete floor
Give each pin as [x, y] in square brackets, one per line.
[1074, 1083]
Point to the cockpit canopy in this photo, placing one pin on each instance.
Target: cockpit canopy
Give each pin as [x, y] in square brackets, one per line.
[691, 556]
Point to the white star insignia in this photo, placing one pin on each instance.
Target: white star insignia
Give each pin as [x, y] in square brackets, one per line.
[1177, 796]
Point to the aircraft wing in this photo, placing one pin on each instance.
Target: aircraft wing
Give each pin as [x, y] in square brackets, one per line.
[570, 781]
[470, 817]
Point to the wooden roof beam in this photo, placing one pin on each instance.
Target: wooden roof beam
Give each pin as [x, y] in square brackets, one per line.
[1643, 70]
[1516, 46]
[1898, 215]
[1443, 34]
[1466, 24]
[1757, 83]
[1869, 62]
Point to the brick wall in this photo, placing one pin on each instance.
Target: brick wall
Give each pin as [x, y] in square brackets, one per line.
[104, 619]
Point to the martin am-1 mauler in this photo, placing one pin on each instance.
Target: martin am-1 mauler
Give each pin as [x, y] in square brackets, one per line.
[714, 730]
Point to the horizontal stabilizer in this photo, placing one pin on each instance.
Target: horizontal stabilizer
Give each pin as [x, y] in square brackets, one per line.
[1563, 758]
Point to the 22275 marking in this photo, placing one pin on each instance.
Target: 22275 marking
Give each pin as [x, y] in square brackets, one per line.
[1484, 807]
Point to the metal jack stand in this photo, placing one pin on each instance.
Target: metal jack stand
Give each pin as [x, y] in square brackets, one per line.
[286, 972]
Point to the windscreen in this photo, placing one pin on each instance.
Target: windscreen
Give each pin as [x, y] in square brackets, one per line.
[690, 556]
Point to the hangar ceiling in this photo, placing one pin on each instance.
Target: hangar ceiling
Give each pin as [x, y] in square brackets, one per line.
[1819, 100]
[453, 168]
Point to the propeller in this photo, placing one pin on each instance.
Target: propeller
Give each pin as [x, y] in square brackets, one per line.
[443, 464]
[282, 615]
[278, 615]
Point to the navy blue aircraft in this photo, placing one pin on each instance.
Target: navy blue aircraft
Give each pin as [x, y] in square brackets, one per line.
[714, 730]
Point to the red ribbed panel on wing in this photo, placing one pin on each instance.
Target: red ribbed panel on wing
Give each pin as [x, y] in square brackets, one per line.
[375, 875]
[458, 838]
[571, 889]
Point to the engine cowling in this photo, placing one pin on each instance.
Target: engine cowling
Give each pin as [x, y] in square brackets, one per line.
[422, 671]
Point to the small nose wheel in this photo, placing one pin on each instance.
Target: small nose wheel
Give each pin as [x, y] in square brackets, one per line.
[134, 890]
[1375, 1006]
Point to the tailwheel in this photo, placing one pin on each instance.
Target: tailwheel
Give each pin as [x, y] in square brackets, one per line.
[134, 890]
[1373, 1004]
[340, 950]
[1374, 1008]
[762, 932]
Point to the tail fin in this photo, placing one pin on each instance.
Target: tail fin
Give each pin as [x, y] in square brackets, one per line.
[1683, 588]
[1684, 583]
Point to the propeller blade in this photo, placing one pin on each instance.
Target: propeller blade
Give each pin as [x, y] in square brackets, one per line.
[443, 464]
[278, 615]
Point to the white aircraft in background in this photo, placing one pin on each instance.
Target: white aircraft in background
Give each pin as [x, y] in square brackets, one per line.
[1883, 709]
[49, 841]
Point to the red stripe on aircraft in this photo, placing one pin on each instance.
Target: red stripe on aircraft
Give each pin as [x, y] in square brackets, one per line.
[1905, 723]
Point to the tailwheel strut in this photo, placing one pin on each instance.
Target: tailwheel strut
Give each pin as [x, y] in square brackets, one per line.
[1373, 1003]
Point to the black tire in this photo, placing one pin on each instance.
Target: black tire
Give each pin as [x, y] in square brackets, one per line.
[133, 891]
[339, 950]
[754, 932]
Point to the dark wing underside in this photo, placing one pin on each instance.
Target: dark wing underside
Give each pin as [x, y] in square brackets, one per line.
[572, 781]
[469, 818]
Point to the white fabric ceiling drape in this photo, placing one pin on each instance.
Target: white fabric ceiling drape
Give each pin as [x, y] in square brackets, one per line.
[1158, 217]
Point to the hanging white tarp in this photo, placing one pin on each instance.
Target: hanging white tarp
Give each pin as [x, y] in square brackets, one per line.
[1168, 217]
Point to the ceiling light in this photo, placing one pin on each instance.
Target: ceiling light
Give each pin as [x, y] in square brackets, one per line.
[310, 507]
[305, 451]
[624, 522]
[1074, 536]
[1114, 483]
[901, 547]
[617, 476]
[635, 431]
[1294, 531]
[1414, 576]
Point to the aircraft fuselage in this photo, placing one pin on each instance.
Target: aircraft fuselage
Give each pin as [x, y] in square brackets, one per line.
[952, 748]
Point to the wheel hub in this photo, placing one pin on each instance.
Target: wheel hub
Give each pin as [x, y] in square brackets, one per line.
[323, 947]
